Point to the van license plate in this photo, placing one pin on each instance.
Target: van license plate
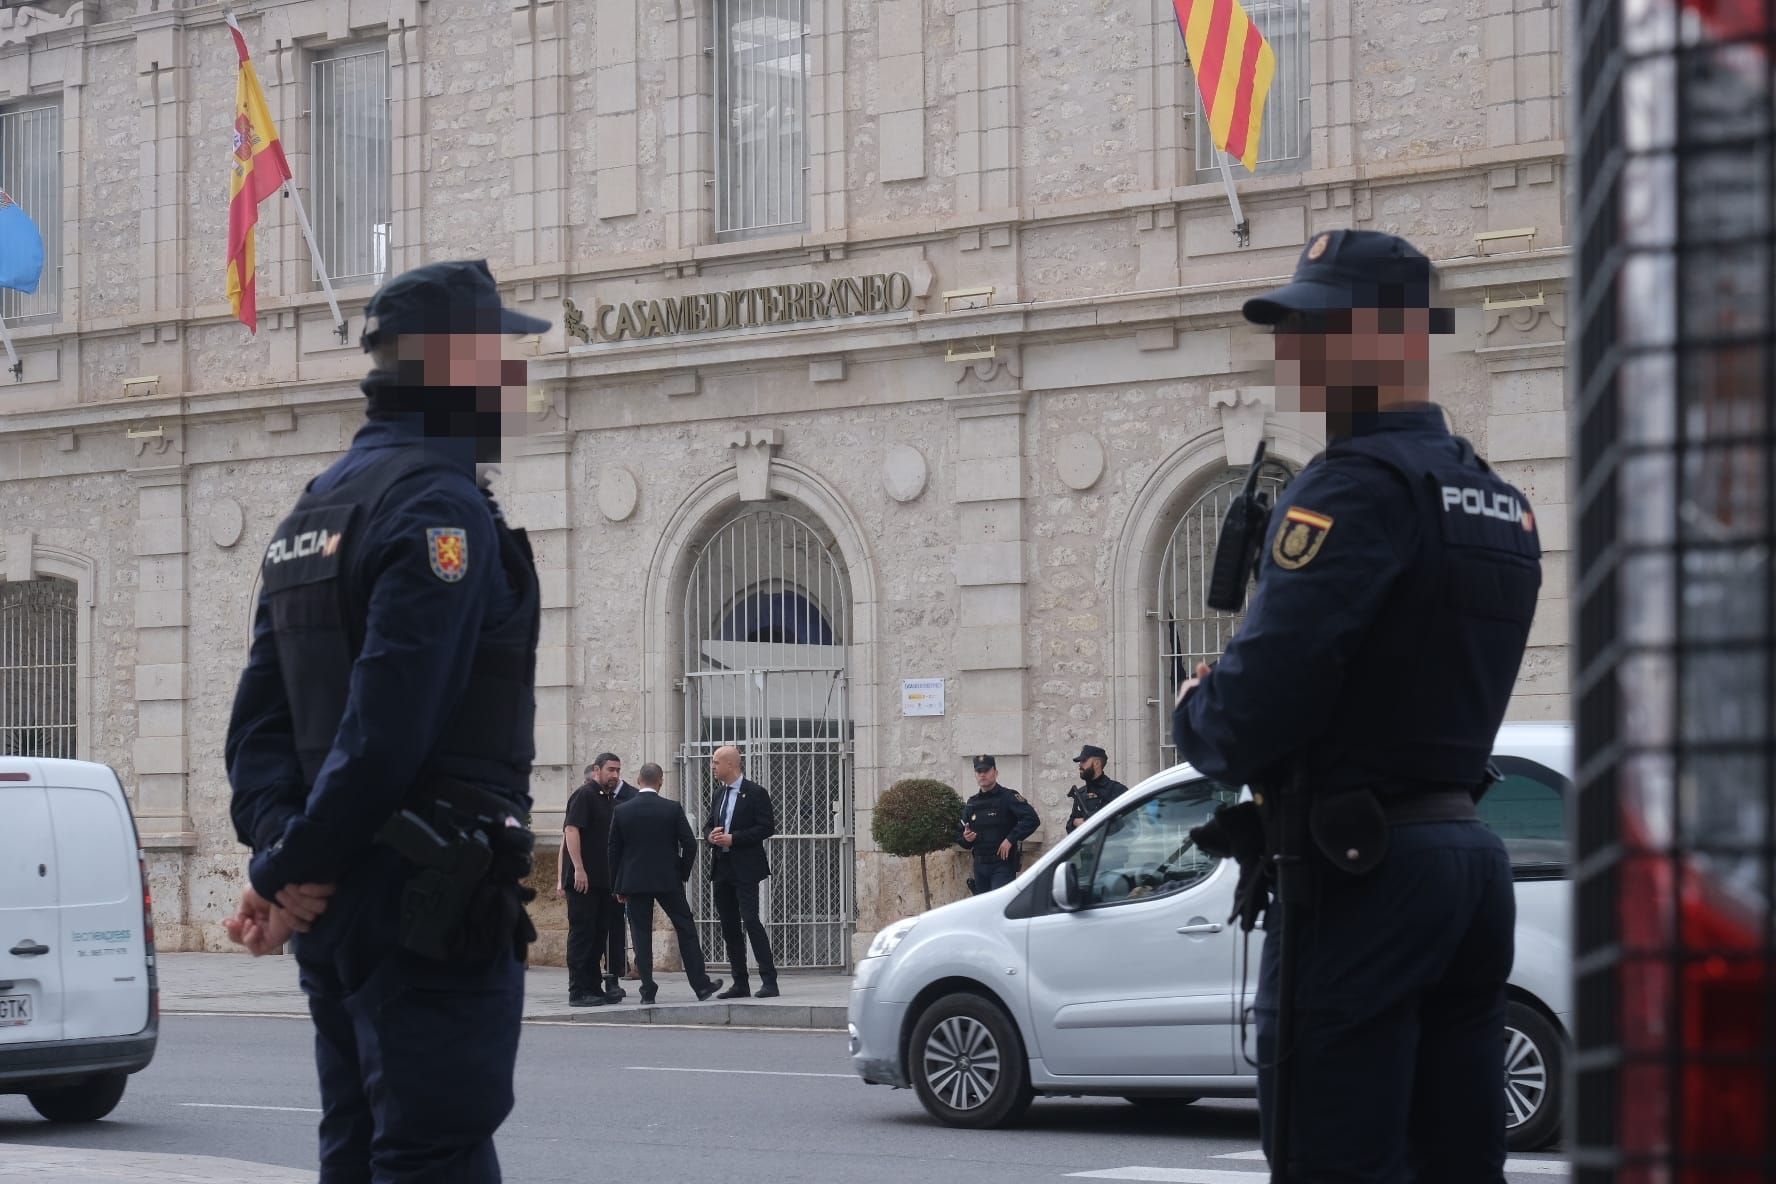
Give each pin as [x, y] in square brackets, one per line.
[14, 1010]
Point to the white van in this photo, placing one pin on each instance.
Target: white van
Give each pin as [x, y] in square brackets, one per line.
[1109, 968]
[79, 1002]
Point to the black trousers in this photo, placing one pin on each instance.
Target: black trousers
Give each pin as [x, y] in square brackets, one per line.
[616, 958]
[1399, 1014]
[590, 916]
[738, 907]
[678, 912]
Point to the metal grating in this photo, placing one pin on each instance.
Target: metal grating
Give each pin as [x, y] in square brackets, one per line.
[39, 629]
[1189, 630]
[349, 162]
[1285, 137]
[31, 172]
[1674, 381]
[761, 116]
[765, 614]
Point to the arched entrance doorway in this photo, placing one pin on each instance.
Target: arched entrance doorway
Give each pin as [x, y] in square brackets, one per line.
[766, 613]
[1189, 630]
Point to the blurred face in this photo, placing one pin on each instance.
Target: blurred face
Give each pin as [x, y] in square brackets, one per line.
[987, 778]
[725, 764]
[1362, 360]
[1091, 768]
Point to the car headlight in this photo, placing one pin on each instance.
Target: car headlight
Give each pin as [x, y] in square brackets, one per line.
[891, 937]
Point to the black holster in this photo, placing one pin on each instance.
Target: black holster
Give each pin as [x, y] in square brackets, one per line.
[465, 902]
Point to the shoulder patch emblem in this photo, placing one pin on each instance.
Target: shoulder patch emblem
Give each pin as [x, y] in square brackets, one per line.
[1016, 796]
[1319, 247]
[448, 549]
[1299, 538]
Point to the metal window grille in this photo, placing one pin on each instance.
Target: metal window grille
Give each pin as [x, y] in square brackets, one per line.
[1284, 139]
[31, 172]
[765, 617]
[38, 632]
[1189, 630]
[349, 162]
[1674, 381]
[761, 116]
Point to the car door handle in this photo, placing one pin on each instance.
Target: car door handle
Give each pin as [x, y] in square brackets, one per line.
[1201, 927]
[29, 949]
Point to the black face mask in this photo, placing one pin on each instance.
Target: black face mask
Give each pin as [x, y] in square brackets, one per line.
[446, 412]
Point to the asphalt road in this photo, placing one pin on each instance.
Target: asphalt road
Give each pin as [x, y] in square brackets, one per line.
[649, 1104]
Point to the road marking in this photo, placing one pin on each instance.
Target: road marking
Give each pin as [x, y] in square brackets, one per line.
[1521, 1167]
[234, 1106]
[1242, 1155]
[1513, 1167]
[743, 1072]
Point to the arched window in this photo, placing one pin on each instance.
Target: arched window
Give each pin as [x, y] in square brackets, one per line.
[1189, 630]
[39, 699]
[787, 618]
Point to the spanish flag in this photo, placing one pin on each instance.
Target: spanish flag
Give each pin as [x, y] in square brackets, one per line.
[1234, 67]
[259, 168]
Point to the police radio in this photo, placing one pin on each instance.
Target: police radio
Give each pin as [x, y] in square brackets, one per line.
[1236, 551]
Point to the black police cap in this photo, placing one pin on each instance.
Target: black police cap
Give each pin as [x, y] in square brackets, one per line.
[983, 763]
[456, 296]
[1089, 751]
[1344, 269]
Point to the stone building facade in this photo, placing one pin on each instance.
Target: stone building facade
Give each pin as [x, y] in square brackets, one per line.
[893, 340]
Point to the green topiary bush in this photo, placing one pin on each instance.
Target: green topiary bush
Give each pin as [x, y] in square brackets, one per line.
[917, 816]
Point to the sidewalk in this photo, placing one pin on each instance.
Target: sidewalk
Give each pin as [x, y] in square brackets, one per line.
[241, 985]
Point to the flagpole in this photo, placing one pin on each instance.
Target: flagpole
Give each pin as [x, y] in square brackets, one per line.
[17, 367]
[314, 250]
[1242, 231]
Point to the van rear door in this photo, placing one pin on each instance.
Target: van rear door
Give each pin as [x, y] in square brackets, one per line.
[30, 937]
[99, 888]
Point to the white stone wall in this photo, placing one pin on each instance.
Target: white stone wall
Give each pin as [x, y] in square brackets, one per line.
[1042, 149]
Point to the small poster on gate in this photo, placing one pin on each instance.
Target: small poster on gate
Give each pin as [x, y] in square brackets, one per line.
[922, 696]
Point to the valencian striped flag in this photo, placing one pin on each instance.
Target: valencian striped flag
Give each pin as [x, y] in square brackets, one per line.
[259, 168]
[1234, 66]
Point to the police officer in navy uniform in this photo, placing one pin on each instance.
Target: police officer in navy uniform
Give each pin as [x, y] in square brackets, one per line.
[994, 822]
[1095, 790]
[1394, 599]
[389, 687]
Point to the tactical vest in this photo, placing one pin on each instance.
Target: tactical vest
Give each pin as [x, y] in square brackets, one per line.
[1428, 688]
[319, 606]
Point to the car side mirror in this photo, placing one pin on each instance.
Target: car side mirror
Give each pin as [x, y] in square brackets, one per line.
[1065, 888]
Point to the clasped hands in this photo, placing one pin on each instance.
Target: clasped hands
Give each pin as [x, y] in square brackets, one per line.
[721, 838]
[263, 926]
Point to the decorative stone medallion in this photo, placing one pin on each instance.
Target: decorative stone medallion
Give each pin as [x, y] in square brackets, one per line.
[904, 473]
[618, 493]
[1079, 459]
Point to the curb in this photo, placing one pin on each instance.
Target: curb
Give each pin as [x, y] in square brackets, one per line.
[787, 1016]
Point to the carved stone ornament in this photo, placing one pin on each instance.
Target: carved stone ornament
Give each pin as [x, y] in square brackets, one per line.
[19, 25]
[1526, 320]
[904, 473]
[618, 493]
[1079, 459]
[755, 448]
[1004, 369]
[1242, 420]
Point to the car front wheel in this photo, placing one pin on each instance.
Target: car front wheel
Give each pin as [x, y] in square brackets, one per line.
[967, 1063]
[87, 1101]
[1534, 1057]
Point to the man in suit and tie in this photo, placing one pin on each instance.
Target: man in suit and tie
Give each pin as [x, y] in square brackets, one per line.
[652, 852]
[737, 828]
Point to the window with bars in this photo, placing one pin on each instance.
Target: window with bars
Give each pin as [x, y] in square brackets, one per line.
[31, 173]
[1189, 630]
[761, 117]
[349, 161]
[1284, 139]
[39, 627]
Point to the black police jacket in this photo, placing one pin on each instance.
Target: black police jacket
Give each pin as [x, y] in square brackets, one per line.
[1093, 796]
[395, 639]
[995, 815]
[1394, 601]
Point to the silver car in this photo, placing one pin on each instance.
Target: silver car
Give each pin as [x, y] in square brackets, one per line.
[1108, 968]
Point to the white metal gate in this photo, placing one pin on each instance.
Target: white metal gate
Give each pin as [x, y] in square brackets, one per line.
[766, 610]
[39, 626]
[1189, 630]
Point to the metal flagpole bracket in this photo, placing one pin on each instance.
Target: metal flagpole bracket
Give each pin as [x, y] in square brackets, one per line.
[1242, 230]
[18, 363]
[340, 324]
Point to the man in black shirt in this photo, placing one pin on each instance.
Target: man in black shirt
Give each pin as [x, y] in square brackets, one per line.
[592, 911]
[1095, 790]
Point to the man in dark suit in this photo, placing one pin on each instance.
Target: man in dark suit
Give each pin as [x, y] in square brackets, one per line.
[607, 770]
[591, 909]
[737, 828]
[652, 853]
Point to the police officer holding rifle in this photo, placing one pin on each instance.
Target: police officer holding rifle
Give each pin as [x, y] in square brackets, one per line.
[1397, 579]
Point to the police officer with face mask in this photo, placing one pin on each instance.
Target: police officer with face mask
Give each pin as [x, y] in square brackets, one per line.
[380, 746]
[1397, 585]
[994, 822]
[1095, 790]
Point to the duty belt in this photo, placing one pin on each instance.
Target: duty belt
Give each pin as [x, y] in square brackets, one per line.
[1434, 805]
